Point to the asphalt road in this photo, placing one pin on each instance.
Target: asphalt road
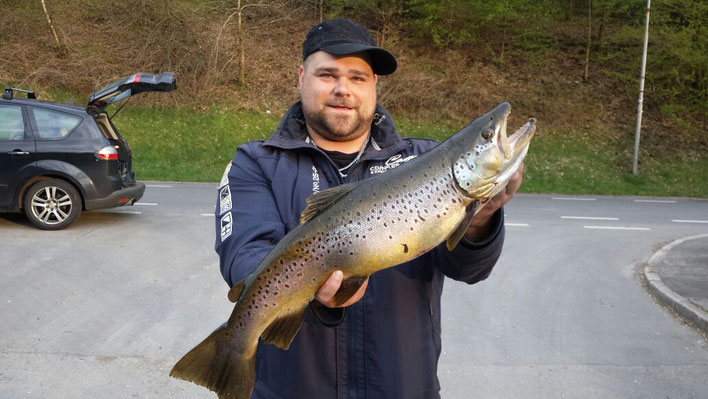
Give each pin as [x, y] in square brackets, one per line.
[104, 309]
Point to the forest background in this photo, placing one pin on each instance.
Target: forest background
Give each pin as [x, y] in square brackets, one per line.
[574, 65]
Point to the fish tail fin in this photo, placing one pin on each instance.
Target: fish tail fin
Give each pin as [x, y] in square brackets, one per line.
[214, 365]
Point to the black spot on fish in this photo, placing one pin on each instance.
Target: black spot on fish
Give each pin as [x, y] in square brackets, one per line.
[405, 247]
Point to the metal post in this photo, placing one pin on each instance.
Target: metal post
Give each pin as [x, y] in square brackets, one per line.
[641, 92]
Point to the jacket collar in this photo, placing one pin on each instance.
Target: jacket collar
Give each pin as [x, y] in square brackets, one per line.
[291, 133]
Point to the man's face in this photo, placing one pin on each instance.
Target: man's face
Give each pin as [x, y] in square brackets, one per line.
[338, 95]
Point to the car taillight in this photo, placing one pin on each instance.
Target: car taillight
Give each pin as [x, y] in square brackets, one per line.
[107, 153]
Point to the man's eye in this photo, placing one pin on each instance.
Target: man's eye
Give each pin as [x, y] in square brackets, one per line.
[326, 75]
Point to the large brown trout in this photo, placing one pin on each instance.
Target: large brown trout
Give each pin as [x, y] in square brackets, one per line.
[358, 228]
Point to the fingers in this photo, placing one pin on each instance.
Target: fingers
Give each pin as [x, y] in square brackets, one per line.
[326, 292]
[515, 182]
[325, 295]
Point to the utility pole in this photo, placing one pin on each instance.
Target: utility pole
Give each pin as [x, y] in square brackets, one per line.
[641, 93]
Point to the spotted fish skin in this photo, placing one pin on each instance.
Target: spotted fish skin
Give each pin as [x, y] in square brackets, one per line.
[359, 229]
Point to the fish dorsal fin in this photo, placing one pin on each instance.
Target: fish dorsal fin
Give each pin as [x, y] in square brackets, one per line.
[282, 330]
[457, 234]
[319, 202]
[236, 291]
[349, 287]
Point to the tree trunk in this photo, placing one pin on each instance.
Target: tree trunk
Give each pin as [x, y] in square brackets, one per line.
[321, 10]
[241, 50]
[61, 48]
[587, 52]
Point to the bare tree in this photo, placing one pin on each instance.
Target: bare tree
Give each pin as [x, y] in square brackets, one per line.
[587, 51]
[241, 50]
[61, 48]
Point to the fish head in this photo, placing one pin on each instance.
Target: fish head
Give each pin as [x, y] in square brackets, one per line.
[485, 159]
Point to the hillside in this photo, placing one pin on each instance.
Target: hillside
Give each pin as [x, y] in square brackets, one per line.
[454, 64]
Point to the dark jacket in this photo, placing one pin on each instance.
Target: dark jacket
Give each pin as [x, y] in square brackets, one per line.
[386, 345]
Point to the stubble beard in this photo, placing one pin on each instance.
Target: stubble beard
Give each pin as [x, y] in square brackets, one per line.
[336, 127]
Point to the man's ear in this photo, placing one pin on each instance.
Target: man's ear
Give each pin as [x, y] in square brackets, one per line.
[301, 76]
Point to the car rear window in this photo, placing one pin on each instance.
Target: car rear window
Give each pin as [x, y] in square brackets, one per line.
[52, 125]
[12, 126]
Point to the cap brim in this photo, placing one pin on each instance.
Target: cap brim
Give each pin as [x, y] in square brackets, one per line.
[383, 62]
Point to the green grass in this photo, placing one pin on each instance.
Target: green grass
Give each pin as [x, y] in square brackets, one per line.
[189, 145]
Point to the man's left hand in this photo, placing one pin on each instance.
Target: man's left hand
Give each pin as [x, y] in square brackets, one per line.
[481, 226]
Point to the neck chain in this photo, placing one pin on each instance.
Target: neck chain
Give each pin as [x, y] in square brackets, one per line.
[358, 156]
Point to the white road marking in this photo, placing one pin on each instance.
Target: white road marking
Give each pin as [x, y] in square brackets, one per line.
[574, 199]
[207, 214]
[133, 212]
[656, 201]
[517, 224]
[617, 228]
[689, 221]
[588, 218]
[145, 203]
[158, 185]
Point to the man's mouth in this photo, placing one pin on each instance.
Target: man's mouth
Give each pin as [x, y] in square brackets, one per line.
[340, 107]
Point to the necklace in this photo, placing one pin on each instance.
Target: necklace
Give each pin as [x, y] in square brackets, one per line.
[349, 165]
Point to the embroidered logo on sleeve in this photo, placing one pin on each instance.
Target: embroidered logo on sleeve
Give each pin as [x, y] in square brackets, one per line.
[224, 199]
[225, 176]
[226, 225]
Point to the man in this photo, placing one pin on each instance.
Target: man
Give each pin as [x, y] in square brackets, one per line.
[385, 341]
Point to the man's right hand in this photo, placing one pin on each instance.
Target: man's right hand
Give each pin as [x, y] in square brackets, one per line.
[325, 295]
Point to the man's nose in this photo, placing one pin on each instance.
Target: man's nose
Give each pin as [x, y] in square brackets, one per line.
[341, 86]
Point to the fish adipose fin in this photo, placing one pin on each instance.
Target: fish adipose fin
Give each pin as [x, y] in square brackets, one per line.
[214, 365]
[349, 287]
[282, 330]
[235, 291]
[319, 202]
[461, 229]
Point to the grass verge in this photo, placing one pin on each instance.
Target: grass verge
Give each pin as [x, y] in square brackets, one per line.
[188, 145]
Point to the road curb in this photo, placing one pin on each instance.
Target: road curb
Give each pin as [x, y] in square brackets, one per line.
[669, 297]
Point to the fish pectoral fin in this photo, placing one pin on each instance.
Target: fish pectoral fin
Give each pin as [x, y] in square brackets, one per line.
[319, 202]
[348, 289]
[461, 229]
[282, 330]
[235, 291]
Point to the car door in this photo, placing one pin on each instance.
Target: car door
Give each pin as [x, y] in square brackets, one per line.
[17, 153]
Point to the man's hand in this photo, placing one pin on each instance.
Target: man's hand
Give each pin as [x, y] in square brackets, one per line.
[480, 227]
[327, 291]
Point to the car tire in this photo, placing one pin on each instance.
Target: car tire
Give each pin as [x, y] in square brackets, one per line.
[52, 204]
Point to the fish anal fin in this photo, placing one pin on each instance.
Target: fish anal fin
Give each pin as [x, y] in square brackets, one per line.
[282, 330]
[319, 202]
[236, 291]
[461, 229]
[348, 289]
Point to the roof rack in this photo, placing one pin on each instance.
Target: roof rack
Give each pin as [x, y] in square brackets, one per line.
[8, 93]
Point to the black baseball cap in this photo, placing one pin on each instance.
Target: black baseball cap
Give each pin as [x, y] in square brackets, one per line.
[341, 36]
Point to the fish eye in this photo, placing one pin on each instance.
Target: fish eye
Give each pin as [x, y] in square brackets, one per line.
[487, 133]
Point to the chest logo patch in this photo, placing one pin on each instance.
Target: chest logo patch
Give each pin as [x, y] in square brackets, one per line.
[391, 163]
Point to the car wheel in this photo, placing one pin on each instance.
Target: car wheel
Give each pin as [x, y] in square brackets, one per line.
[52, 204]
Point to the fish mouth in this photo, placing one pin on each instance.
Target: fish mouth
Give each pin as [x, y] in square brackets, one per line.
[518, 145]
[522, 137]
